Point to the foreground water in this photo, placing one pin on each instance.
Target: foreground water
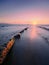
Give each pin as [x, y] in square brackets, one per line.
[31, 49]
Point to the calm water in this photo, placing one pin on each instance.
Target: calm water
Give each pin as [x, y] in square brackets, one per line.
[31, 49]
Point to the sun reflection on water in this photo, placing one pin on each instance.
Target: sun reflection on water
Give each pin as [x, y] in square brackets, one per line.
[33, 33]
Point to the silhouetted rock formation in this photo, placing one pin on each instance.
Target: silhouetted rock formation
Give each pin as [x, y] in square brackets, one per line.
[22, 31]
[17, 36]
[26, 28]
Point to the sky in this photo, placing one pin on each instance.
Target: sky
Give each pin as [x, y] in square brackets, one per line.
[24, 11]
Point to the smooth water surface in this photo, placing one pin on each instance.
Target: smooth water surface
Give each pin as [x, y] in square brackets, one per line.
[31, 49]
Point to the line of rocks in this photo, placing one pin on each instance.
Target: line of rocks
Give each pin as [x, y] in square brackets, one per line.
[4, 49]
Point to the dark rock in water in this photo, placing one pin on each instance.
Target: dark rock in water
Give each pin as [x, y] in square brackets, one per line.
[22, 31]
[26, 28]
[10, 40]
[44, 28]
[17, 36]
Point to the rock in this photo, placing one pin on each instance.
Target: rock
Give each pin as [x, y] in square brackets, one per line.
[17, 36]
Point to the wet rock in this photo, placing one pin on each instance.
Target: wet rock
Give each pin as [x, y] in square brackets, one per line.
[26, 28]
[17, 36]
[22, 31]
[10, 40]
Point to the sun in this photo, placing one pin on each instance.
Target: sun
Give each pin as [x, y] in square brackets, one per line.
[34, 23]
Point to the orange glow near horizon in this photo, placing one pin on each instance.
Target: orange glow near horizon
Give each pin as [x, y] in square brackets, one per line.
[24, 21]
[34, 23]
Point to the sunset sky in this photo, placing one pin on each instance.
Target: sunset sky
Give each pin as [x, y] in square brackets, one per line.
[24, 11]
